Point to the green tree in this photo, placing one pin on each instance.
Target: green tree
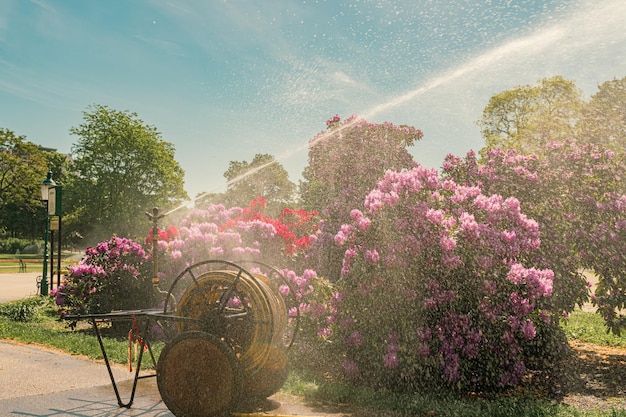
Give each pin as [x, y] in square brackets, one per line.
[22, 168]
[262, 177]
[527, 117]
[604, 117]
[123, 168]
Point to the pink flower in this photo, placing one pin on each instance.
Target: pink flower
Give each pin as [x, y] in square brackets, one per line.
[340, 238]
[434, 216]
[356, 214]
[447, 243]
[363, 223]
[350, 368]
[390, 360]
[371, 256]
[521, 306]
[284, 289]
[429, 303]
[324, 332]
[528, 330]
[355, 339]
[452, 261]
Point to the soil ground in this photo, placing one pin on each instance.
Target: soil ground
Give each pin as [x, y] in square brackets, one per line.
[596, 378]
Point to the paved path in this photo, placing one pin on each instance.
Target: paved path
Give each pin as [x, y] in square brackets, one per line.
[39, 382]
[15, 286]
[35, 381]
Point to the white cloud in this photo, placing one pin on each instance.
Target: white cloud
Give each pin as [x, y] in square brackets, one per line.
[343, 78]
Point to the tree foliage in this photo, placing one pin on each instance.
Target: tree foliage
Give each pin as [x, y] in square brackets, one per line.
[262, 177]
[604, 117]
[22, 168]
[527, 117]
[123, 168]
[345, 163]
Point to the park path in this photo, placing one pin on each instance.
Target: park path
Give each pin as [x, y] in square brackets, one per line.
[15, 286]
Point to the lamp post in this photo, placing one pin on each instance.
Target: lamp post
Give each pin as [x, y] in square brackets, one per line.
[46, 185]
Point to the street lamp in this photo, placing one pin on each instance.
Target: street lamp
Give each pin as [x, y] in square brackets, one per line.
[46, 185]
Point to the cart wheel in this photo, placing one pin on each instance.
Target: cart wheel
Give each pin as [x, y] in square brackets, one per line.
[199, 375]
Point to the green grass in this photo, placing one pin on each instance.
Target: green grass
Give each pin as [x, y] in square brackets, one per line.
[9, 263]
[43, 327]
[441, 404]
[34, 321]
[589, 328]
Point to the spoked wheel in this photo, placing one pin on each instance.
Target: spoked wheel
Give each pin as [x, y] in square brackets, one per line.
[198, 375]
[238, 308]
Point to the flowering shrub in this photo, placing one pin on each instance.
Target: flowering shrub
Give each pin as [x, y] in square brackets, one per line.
[114, 275]
[290, 222]
[239, 234]
[438, 286]
[577, 194]
[345, 162]
[170, 233]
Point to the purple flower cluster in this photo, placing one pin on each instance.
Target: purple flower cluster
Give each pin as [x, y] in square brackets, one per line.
[575, 192]
[450, 260]
[113, 275]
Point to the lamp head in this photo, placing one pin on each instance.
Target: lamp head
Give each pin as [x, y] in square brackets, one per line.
[46, 185]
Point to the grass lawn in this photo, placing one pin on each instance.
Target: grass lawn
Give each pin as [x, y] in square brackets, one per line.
[10, 263]
[600, 364]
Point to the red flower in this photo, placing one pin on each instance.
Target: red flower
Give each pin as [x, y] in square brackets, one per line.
[172, 232]
[290, 224]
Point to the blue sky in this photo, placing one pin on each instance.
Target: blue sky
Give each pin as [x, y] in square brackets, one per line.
[223, 80]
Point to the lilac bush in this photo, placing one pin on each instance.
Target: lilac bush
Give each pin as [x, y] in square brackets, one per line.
[113, 275]
[438, 286]
[577, 194]
[345, 162]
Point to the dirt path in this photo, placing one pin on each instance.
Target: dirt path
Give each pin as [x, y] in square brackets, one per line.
[597, 378]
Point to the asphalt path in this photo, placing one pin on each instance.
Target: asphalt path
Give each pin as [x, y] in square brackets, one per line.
[35, 381]
[39, 382]
[17, 286]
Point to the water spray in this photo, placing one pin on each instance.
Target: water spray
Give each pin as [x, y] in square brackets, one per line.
[535, 42]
